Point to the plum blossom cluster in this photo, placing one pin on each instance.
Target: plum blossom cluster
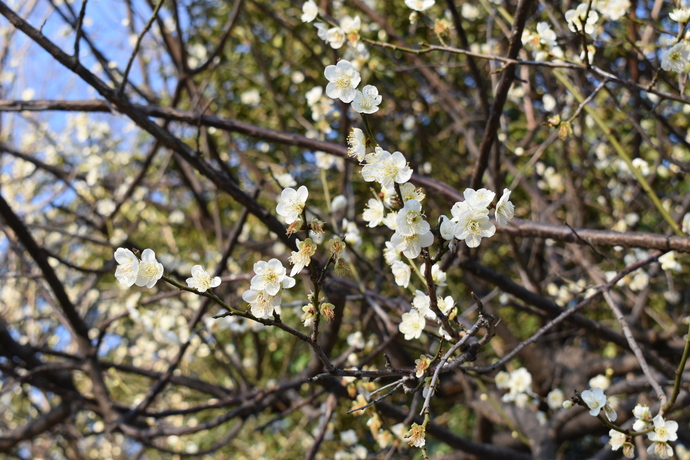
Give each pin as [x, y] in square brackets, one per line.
[336, 35]
[130, 270]
[662, 431]
[596, 401]
[271, 278]
[542, 42]
[519, 386]
[264, 294]
[343, 80]
[201, 280]
[470, 222]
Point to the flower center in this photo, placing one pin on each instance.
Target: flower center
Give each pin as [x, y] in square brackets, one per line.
[343, 82]
[149, 270]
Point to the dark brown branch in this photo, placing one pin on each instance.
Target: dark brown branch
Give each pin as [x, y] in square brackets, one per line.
[35, 427]
[507, 78]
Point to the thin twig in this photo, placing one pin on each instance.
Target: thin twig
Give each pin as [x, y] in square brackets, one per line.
[121, 89]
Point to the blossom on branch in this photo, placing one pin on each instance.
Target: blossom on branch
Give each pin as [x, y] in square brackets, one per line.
[150, 270]
[663, 432]
[309, 11]
[411, 219]
[127, 268]
[619, 440]
[302, 258]
[292, 203]
[367, 100]
[676, 58]
[420, 5]
[681, 15]
[412, 325]
[472, 226]
[343, 79]
[401, 272]
[374, 213]
[201, 280]
[271, 277]
[386, 168]
[262, 304]
[505, 211]
[412, 245]
[577, 20]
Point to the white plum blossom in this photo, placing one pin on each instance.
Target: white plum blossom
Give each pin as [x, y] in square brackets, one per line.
[680, 15]
[390, 220]
[335, 36]
[478, 199]
[127, 266]
[420, 5]
[540, 42]
[324, 160]
[391, 254]
[619, 440]
[505, 211]
[374, 213]
[292, 203]
[356, 143]
[612, 9]
[519, 386]
[447, 228]
[412, 246]
[438, 275]
[412, 324]
[576, 16]
[270, 277]
[343, 80]
[421, 302]
[302, 258]
[201, 280]
[472, 226]
[349, 437]
[676, 57]
[409, 192]
[664, 431]
[356, 339]
[445, 304]
[386, 168]
[286, 180]
[520, 381]
[352, 235]
[415, 436]
[309, 11]
[338, 204]
[262, 304]
[547, 36]
[411, 219]
[150, 270]
[251, 97]
[367, 100]
[643, 417]
[600, 381]
[555, 399]
[350, 27]
[502, 380]
[668, 262]
[401, 272]
[595, 400]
